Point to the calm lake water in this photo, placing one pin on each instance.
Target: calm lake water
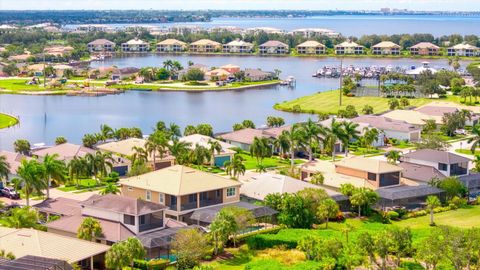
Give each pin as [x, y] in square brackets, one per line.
[42, 118]
[357, 25]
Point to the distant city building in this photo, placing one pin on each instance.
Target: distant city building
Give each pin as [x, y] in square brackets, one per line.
[312, 32]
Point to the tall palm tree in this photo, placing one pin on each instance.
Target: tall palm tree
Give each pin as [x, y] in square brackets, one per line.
[99, 163]
[175, 131]
[180, 151]
[4, 168]
[475, 139]
[312, 135]
[31, 174]
[76, 167]
[350, 133]
[334, 133]
[235, 167]
[282, 144]
[370, 136]
[168, 64]
[106, 132]
[260, 149]
[296, 137]
[200, 155]
[214, 146]
[54, 169]
[156, 143]
[139, 155]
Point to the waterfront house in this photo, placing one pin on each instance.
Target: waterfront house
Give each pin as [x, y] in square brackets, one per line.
[392, 129]
[256, 75]
[124, 73]
[311, 47]
[135, 45]
[419, 116]
[386, 48]
[125, 148]
[219, 158]
[182, 190]
[205, 46]
[273, 47]
[31, 242]
[171, 45]
[243, 138]
[315, 32]
[463, 49]
[231, 68]
[436, 111]
[218, 74]
[417, 71]
[14, 160]
[425, 49]
[257, 187]
[238, 46]
[378, 142]
[349, 47]
[101, 45]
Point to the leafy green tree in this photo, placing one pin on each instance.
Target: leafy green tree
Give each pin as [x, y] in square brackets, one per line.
[110, 188]
[400, 243]
[296, 137]
[189, 245]
[11, 69]
[162, 74]
[430, 126]
[194, 74]
[347, 189]
[370, 135]
[99, 163]
[200, 155]
[312, 132]
[317, 179]
[89, 140]
[31, 175]
[350, 133]
[222, 227]
[475, 139]
[60, 140]
[237, 126]
[333, 133]
[327, 209]
[25, 217]
[363, 197]
[393, 156]
[89, 229]
[106, 132]
[432, 203]
[180, 150]
[295, 212]
[243, 219]
[76, 167]
[273, 121]
[135, 249]
[452, 187]
[248, 124]
[189, 130]
[157, 143]
[55, 169]
[122, 254]
[22, 147]
[432, 141]
[205, 129]
[430, 250]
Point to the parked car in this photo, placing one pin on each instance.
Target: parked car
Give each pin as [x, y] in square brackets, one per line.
[10, 193]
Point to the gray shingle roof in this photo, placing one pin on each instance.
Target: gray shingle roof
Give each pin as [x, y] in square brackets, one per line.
[121, 204]
[407, 192]
[420, 172]
[385, 123]
[435, 156]
[207, 215]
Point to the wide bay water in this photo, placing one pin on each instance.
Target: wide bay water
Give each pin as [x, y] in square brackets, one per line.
[42, 118]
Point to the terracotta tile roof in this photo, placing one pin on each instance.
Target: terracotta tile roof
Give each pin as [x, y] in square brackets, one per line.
[101, 41]
[385, 123]
[425, 45]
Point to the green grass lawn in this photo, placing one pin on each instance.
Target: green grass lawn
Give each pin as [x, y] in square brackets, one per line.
[7, 121]
[327, 102]
[19, 85]
[271, 162]
[467, 152]
[84, 185]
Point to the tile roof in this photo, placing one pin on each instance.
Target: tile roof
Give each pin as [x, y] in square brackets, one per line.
[386, 44]
[13, 159]
[435, 156]
[418, 172]
[311, 43]
[368, 165]
[246, 135]
[101, 41]
[59, 206]
[348, 44]
[179, 180]
[465, 46]
[385, 123]
[259, 186]
[425, 45]
[122, 204]
[198, 139]
[239, 43]
[171, 41]
[65, 151]
[274, 43]
[23, 242]
[412, 117]
[436, 110]
[202, 42]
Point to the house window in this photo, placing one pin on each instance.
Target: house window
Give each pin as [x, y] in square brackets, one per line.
[231, 191]
[161, 198]
[148, 195]
[129, 220]
[442, 167]
[192, 198]
[218, 193]
[372, 177]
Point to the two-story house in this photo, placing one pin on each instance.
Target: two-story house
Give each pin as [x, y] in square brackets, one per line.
[101, 45]
[205, 46]
[273, 47]
[311, 47]
[238, 46]
[349, 47]
[135, 45]
[425, 48]
[386, 48]
[171, 45]
[448, 164]
[463, 49]
[182, 189]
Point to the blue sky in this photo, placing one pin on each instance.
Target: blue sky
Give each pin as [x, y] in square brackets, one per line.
[467, 5]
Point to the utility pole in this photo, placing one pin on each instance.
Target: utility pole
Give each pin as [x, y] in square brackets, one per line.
[341, 81]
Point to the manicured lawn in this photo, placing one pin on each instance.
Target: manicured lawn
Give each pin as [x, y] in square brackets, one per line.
[7, 121]
[272, 162]
[467, 152]
[84, 184]
[181, 86]
[19, 85]
[463, 218]
[327, 102]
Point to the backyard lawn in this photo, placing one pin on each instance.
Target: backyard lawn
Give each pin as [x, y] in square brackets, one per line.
[467, 152]
[19, 85]
[84, 184]
[271, 162]
[327, 102]
[7, 121]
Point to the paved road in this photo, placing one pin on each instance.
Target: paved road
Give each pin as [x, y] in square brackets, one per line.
[54, 193]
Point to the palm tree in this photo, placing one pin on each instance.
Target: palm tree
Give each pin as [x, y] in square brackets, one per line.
[296, 138]
[139, 155]
[200, 155]
[99, 163]
[4, 168]
[76, 167]
[179, 150]
[261, 149]
[282, 144]
[25, 217]
[432, 203]
[54, 169]
[393, 156]
[89, 229]
[215, 146]
[333, 133]
[31, 175]
[156, 143]
[312, 134]
[235, 167]
[175, 131]
[168, 64]
[110, 188]
[350, 133]
[370, 135]
[106, 132]
[475, 139]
